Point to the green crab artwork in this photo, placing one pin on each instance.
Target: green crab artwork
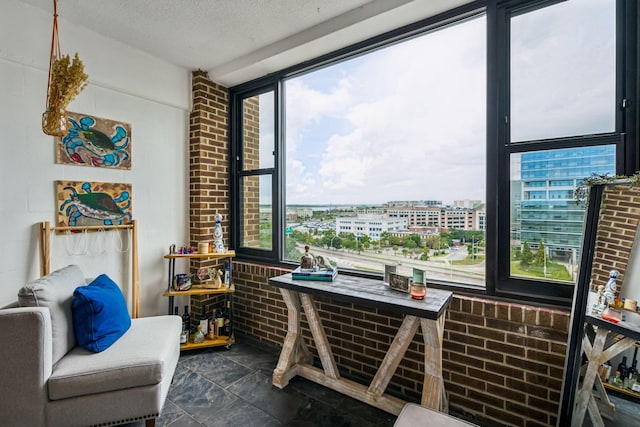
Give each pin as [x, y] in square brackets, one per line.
[95, 206]
[93, 141]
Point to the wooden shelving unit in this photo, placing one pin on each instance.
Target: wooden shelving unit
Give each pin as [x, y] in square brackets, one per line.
[225, 341]
[624, 391]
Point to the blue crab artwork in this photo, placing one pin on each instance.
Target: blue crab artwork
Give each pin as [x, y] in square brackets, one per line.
[96, 206]
[85, 144]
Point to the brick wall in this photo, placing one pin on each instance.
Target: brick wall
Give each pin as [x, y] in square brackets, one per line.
[502, 362]
[617, 227]
[208, 170]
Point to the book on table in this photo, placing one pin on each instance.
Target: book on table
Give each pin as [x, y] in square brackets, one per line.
[325, 275]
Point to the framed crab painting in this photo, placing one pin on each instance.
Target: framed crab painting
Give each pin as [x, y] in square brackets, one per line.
[92, 203]
[94, 141]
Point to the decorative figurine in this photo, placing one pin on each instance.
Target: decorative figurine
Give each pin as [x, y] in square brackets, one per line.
[307, 261]
[218, 246]
[600, 304]
[322, 263]
[611, 287]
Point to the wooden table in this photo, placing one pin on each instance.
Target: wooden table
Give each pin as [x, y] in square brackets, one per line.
[603, 340]
[295, 358]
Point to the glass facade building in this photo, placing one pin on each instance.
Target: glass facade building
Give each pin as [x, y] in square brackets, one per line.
[544, 206]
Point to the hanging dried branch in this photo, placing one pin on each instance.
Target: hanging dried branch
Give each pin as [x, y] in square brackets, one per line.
[68, 79]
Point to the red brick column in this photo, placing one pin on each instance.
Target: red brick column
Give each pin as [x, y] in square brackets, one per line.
[208, 169]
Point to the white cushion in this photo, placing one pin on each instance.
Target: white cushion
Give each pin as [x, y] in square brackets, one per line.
[55, 291]
[145, 355]
[413, 415]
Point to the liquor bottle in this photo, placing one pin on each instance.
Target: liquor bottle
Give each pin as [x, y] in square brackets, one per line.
[175, 311]
[227, 319]
[617, 381]
[198, 337]
[213, 328]
[220, 319]
[622, 367]
[227, 275]
[633, 370]
[204, 322]
[186, 320]
[632, 374]
[607, 371]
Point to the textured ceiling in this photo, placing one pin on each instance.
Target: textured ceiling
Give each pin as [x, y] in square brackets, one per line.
[238, 40]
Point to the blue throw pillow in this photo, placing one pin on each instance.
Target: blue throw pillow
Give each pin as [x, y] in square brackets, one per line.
[100, 314]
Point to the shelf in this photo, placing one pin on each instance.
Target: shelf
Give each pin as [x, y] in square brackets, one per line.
[210, 255]
[208, 343]
[200, 291]
[625, 391]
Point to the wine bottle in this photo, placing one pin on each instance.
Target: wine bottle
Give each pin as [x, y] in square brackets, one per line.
[632, 374]
[186, 320]
[204, 322]
[227, 319]
[213, 328]
[220, 320]
[634, 365]
[622, 367]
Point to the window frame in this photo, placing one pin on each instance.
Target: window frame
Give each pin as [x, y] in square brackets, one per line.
[498, 282]
[498, 129]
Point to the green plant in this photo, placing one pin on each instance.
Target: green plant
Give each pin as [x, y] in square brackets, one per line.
[582, 189]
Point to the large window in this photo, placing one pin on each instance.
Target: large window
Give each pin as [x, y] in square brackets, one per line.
[452, 145]
[386, 156]
[560, 125]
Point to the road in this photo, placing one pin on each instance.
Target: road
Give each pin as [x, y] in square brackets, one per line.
[439, 268]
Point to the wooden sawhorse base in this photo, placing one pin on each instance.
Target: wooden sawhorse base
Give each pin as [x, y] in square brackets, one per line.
[295, 358]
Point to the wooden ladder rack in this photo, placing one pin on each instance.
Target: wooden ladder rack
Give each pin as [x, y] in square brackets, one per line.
[45, 252]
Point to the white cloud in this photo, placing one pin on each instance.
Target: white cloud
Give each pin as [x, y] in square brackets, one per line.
[409, 122]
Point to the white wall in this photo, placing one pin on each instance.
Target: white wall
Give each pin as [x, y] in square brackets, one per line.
[124, 84]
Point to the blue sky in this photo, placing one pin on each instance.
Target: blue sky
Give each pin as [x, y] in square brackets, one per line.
[408, 122]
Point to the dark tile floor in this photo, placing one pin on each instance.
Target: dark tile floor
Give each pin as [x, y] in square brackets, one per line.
[219, 387]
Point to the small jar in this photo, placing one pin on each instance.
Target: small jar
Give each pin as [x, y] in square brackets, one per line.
[417, 290]
[203, 247]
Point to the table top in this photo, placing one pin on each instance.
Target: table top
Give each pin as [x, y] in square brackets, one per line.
[629, 327]
[370, 292]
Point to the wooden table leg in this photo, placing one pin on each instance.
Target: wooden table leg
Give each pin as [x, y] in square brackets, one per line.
[433, 393]
[394, 355]
[295, 358]
[584, 394]
[597, 353]
[293, 349]
[319, 337]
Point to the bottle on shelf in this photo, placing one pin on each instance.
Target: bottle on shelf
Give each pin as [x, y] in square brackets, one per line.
[186, 320]
[617, 381]
[227, 319]
[622, 367]
[220, 320]
[198, 337]
[204, 322]
[227, 275]
[175, 311]
[213, 328]
[605, 371]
